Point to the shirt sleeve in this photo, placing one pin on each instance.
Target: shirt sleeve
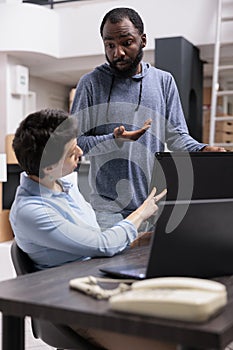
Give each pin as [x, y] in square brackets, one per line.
[46, 227]
[177, 134]
[88, 119]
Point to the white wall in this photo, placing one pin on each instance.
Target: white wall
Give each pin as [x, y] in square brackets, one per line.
[49, 94]
[6, 266]
[29, 27]
[3, 100]
[195, 20]
[14, 107]
[11, 106]
[74, 30]
[15, 103]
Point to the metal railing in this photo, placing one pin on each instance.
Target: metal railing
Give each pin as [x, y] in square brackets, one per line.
[50, 3]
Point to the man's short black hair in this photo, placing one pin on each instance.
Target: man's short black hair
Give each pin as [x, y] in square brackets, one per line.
[41, 137]
[118, 14]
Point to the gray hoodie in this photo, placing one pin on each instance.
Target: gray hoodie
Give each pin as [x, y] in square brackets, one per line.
[120, 172]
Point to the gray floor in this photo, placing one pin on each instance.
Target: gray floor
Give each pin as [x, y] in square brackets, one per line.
[7, 272]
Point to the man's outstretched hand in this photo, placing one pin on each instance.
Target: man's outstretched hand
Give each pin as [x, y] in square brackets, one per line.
[121, 133]
[213, 149]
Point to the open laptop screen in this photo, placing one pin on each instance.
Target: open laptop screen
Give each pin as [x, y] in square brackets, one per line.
[194, 175]
[193, 239]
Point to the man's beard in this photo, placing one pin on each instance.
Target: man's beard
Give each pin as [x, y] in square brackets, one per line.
[128, 72]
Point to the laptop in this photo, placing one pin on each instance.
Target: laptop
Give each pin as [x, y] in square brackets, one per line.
[194, 175]
[192, 239]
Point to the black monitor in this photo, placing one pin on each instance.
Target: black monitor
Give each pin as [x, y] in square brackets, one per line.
[194, 175]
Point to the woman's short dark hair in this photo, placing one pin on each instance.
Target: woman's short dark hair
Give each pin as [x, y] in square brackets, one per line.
[118, 14]
[41, 137]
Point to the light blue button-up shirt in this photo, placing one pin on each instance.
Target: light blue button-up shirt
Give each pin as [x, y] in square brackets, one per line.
[59, 227]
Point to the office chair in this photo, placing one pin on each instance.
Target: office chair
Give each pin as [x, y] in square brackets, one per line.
[56, 335]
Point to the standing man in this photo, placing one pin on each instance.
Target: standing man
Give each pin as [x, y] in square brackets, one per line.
[127, 91]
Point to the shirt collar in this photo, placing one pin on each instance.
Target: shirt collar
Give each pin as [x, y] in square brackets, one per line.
[37, 189]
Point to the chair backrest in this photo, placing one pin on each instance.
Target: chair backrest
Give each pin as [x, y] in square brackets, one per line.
[21, 261]
[55, 335]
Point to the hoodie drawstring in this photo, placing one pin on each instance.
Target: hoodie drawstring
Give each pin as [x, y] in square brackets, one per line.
[140, 97]
[110, 92]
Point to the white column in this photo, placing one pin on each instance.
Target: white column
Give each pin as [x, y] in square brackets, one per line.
[3, 99]
[11, 1]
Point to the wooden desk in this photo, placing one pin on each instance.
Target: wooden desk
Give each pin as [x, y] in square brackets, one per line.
[47, 295]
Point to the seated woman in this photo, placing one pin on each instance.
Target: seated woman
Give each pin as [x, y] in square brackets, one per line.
[51, 220]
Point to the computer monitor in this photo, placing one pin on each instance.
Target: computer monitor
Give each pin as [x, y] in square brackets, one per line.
[194, 175]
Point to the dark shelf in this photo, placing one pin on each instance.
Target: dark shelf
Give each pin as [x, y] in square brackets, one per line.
[9, 187]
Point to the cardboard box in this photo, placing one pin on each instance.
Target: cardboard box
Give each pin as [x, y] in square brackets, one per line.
[223, 129]
[10, 154]
[207, 96]
[6, 233]
[224, 125]
[71, 97]
[224, 137]
[1, 199]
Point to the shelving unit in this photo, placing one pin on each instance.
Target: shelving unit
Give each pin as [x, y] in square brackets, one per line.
[221, 135]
